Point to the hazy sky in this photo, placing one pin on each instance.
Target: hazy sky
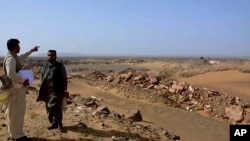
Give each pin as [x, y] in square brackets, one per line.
[129, 27]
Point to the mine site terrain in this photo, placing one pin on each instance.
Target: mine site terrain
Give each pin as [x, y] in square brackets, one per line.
[143, 99]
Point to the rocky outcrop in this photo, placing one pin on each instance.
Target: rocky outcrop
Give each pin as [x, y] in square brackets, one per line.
[214, 104]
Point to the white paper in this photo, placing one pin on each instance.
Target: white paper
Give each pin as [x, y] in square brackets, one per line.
[26, 74]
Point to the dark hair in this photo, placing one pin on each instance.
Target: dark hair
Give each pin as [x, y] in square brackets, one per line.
[52, 51]
[12, 43]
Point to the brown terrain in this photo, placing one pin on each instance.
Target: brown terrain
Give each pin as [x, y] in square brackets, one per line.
[144, 99]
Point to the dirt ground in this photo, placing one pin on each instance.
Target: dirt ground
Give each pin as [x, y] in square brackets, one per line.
[153, 86]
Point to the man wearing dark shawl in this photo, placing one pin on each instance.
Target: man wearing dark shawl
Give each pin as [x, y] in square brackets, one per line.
[53, 88]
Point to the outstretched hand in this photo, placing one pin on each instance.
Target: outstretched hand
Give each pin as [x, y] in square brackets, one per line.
[35, 48]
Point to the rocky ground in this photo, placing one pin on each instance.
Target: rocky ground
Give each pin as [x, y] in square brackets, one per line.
[209, 103]
[87, 118]
[82, 112]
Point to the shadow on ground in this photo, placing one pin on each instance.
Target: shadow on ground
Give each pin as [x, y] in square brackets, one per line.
[104, 133]
[88, 132]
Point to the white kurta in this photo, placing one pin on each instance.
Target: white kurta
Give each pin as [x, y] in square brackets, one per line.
[15, 104]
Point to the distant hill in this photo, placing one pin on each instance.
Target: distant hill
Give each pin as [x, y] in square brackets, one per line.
[62, 54]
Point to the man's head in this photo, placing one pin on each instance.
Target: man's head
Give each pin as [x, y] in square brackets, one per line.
[13, 45]
[51, 56]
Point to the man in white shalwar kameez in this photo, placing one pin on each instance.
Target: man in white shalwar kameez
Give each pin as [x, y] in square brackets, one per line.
[15, 104]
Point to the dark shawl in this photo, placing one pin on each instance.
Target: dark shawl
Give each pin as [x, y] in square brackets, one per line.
[59, 80]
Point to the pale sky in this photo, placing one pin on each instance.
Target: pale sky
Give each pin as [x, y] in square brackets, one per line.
[209, 28]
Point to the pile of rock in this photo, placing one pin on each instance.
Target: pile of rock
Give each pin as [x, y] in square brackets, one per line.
[213, 103]
[220, 106]
[91, 108]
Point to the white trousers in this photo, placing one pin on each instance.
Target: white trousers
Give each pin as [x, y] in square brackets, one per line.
[15, 110]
